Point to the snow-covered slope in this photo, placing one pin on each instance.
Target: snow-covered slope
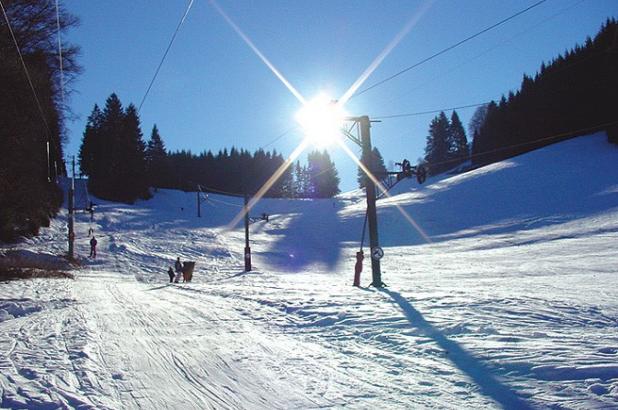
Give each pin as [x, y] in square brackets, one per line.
[507, 299]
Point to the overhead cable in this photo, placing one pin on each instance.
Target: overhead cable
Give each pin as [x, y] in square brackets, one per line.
[277, 138]
[23, 63]
[60, 53]
[449, 48]
[169, 46]
[412, 114]
[441, 76]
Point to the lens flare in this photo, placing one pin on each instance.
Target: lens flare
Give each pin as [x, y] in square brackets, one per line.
[257, 51]
[322, 119]
[394, 42]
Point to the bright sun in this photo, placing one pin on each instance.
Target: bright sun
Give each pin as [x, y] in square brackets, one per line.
[321, 119]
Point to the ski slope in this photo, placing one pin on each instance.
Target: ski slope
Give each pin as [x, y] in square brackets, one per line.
[512, 303]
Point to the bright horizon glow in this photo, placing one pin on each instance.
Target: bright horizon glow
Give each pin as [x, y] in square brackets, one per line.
[322, 119]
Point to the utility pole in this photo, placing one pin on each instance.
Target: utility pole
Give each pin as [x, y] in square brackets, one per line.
[247, 248]
[72, 214]
[199, 203]
[376, 251]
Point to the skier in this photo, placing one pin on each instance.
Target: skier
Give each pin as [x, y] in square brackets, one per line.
[178, 267]
[170, 272]
[93, 247]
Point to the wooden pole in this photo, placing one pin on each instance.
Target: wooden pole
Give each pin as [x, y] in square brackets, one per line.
[247, 248]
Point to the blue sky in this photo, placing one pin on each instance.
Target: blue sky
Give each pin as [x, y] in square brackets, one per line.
[213, 92]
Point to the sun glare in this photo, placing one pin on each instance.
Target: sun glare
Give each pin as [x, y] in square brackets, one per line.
[321, 119]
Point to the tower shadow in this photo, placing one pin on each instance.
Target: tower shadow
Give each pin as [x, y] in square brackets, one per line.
[466, 362]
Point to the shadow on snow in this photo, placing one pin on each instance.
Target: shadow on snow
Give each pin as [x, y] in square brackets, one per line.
[467, 363]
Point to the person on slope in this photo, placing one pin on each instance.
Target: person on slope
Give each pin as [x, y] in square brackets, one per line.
[178, 267]
[93, 247]
[170, 272]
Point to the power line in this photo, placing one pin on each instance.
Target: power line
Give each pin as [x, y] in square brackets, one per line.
[277, 138]
[60, 64]
[169, 46]
[412, 114]
[23, 63]
[486, 51]
[60, 53]
[218, 191]
[224, 202]
[36, 97]
[450, 48]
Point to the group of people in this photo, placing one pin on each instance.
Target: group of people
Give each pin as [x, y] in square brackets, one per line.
[178, 268]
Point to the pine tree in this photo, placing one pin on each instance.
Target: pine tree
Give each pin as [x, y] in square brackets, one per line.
[105, 162]
[133, 178]
[477, 120]
[113, 153]
[299, 181]
[157, 166]
[89, 140]
[376, 167]
[322, 174]
[458, 140]
[286, 181]
[437, 148]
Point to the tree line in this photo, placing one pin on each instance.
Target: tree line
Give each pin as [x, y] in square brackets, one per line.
[32, 124]
[573, 94]
[121, 166]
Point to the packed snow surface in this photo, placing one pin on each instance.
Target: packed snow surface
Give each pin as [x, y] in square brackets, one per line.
[507, 299]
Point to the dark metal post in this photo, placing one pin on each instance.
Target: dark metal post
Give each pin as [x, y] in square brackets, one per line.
[71, 214]
[371, 202]
[247, 248]
[199, 204]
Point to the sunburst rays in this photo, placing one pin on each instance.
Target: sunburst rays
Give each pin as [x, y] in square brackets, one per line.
[340, 103]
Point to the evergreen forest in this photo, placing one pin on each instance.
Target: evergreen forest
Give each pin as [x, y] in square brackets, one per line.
[33, 97]
[121, 166]
[574, 94]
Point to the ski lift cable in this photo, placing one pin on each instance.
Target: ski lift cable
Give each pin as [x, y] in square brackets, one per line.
[225, 202]
[60, 65]
[449, 48]
[23, 63]
[86, 190]
[551, 73]
[218, 191]
[278, 137]
[60, 54]
[36, 97]
[169, 46]
[413, 114]
[441, 76]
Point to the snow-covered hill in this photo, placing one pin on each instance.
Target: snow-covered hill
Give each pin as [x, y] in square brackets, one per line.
[507, 299]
